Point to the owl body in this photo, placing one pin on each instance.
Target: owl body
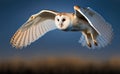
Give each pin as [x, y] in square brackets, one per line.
[96, 32]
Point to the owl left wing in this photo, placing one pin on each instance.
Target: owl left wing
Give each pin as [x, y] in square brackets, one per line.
[96, 21]
[36, 26]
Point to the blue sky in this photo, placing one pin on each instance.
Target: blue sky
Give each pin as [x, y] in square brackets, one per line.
[55, 43]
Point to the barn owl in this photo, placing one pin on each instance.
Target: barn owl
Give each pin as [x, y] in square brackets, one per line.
[96, 32]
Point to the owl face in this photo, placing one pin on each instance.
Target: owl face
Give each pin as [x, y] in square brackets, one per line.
[62, 21]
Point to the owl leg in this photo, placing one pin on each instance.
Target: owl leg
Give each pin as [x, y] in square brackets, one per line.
[86, 38]
[93, 36]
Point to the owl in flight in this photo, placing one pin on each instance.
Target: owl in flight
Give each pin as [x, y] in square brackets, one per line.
[96, 32]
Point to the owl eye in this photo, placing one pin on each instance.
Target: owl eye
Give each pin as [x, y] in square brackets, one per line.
[57, 19]
[63, 19]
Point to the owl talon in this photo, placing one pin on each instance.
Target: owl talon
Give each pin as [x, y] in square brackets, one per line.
[95, 43]
[89, 45]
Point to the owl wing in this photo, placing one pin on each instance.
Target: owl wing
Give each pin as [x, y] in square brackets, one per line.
[98, 23]
[36, 26]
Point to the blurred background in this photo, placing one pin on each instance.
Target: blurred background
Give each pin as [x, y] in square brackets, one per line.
[56, 44]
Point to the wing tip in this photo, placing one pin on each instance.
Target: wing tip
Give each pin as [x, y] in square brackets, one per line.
[14, 40]
[76, 7]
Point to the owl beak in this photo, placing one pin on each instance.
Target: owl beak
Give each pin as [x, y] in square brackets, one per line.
[61, 25]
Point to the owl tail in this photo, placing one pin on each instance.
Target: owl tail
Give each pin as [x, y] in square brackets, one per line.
[100, 41]
[84, 43]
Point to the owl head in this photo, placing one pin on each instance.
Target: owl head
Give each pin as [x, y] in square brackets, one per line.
[62, 21]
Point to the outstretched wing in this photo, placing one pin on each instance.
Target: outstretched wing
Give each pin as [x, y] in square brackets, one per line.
[103, 28]
[36, 26]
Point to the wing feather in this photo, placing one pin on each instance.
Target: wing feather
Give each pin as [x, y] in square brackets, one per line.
[26, 38]
[33, 34]
[36, 26]
[30, 36]
[21, 43]
[16, 37]
[18, 40]
[37, 32]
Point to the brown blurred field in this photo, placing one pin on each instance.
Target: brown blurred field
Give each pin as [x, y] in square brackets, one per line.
[56, 65]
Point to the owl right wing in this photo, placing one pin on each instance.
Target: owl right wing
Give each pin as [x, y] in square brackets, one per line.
[98, 23]
[36, 26]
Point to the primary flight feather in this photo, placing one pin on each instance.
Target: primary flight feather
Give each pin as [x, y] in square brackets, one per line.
[96, 32]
